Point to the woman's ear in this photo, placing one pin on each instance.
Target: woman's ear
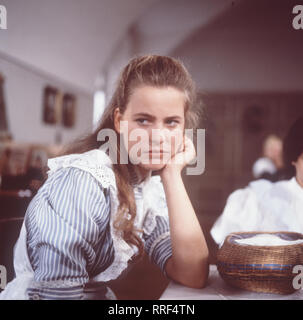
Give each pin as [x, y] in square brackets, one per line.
[117, 119]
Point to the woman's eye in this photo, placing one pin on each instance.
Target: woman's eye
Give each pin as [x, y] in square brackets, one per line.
[172, 123]
[142, 121]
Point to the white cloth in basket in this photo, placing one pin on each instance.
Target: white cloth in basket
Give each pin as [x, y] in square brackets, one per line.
[267, 240]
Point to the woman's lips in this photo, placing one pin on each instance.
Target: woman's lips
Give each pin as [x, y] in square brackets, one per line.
[156, 152]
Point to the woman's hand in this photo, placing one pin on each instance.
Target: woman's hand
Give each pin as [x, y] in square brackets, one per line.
[182, 158]
[189, 262]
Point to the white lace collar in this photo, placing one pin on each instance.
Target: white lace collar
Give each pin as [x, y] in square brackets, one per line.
[94, 161]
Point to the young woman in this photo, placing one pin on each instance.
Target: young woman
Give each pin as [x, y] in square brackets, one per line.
[97, 212]
[267, 206]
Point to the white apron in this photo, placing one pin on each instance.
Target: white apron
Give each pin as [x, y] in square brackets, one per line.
[16, 289]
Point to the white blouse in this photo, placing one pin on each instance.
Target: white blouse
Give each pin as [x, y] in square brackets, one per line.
[262, 206]
[68, 239]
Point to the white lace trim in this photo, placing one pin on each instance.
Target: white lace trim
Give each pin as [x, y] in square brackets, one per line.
[154, 190]
[55, 284]
[96, 162]
[99, 165]
[123, 251]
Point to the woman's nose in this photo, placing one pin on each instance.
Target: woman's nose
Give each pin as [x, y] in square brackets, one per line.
[158, 135]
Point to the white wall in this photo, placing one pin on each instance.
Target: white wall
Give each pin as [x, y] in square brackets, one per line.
[71, 38]
[120, 57]
[251, 48]
[23, 93]
[159, 30]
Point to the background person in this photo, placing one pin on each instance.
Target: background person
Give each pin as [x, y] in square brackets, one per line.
[267, 206]
[268, 165]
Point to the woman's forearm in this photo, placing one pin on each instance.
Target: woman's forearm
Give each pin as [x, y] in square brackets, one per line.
[189, 262]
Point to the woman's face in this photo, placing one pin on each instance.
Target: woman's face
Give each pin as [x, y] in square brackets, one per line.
[154, 125]
[299, 169]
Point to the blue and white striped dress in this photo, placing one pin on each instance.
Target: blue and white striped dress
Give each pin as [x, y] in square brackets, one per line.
[69, 241]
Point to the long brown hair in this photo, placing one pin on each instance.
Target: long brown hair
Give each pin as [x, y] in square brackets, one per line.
[153, 70]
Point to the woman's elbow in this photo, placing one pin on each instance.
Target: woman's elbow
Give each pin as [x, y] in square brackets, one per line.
[198, 279]
[193, 275]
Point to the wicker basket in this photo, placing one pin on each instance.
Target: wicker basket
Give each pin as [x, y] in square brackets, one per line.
[260, 268]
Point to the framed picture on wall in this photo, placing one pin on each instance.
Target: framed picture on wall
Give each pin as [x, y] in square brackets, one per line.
[49, 105]
[68, 110]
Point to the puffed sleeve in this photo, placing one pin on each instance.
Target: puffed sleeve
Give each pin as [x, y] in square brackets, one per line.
[158, 243]
[64, 226]
[156, 226]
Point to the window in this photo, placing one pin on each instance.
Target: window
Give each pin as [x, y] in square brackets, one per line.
[99, 106]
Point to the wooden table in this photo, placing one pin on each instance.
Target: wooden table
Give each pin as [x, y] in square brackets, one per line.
[218, 289]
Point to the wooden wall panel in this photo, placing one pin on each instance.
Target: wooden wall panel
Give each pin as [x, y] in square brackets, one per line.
[236, 126]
